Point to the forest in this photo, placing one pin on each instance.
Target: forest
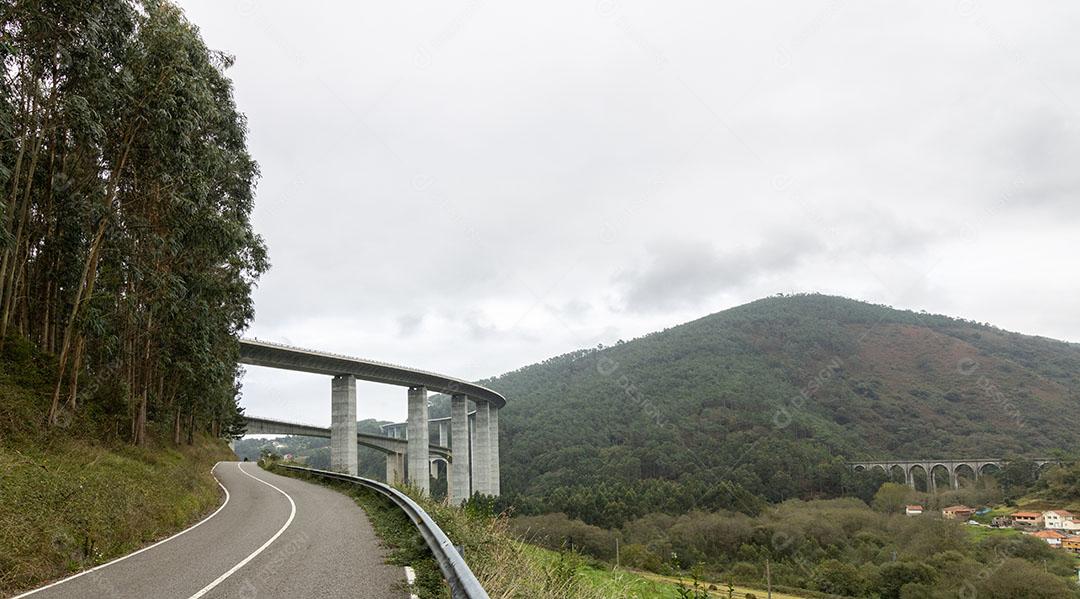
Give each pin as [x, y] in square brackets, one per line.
[127, 254]
[766, 402]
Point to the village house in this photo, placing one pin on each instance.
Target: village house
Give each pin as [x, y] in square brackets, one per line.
[1027, 519]
[1071, 544]
[1052, 537]
[1060, 520]
[913, 510]
[957, 512]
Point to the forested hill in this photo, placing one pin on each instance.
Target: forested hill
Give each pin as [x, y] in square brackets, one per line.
[768, 399]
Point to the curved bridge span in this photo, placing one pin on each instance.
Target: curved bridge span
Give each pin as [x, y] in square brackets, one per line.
[476, 467]
[908, 467]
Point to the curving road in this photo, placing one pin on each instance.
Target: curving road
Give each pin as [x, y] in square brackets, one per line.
[273, 536]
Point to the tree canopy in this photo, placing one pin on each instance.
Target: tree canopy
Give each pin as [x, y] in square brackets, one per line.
[126, 248]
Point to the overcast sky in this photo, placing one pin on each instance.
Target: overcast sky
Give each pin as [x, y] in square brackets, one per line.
[470, 187]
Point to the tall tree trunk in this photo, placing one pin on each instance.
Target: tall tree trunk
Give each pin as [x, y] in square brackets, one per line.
[85, 288]
[73, 387]
[140, 422]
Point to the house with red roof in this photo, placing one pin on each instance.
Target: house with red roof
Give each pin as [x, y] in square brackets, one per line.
[1052, 537]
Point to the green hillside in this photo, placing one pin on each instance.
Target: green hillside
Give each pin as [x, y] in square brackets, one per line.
[767, 400]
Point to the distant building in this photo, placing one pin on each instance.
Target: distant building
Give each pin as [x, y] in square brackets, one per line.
[1001, 521]
[1028, 519]
[1052, 537]
[913, 510]
[1071, 544]
[1060, 520]
[958, 512]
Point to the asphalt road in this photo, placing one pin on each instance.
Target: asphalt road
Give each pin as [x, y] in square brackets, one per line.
[273, 537]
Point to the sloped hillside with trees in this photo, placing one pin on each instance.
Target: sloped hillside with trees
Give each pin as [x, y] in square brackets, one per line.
[765, 402]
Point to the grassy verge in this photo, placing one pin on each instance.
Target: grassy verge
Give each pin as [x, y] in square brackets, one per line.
[70, 498]
[76, 504]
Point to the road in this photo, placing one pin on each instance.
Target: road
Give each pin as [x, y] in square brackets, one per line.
[273, 536]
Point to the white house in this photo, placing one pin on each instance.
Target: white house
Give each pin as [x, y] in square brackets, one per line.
[913, 510]
[1060, 520]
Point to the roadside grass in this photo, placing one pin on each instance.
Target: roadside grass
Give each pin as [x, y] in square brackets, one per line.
[68, 500]
[78, 504]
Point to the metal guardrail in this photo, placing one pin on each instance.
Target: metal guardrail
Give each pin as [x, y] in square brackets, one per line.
[463, 583]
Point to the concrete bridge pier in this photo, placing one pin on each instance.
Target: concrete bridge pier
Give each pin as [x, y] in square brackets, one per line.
[343, 424]
[444, 431]
[459, 488]
[419, 464]
[482, 449]
[395, 468]
[493, 448]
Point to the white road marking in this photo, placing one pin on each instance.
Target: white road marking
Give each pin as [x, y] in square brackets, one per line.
[292, 514]
[410, 577]
[133, 554]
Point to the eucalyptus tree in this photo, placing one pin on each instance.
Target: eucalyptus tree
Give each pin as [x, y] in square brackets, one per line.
[127, 249]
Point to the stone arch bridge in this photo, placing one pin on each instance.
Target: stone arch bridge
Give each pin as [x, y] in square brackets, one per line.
[977, 467]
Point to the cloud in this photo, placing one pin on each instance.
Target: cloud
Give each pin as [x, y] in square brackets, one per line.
[409, 323]
[687, 273]
[466, 215]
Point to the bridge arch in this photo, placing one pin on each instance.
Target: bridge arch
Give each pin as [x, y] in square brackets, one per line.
[965, 472]
[898, 474]
[941, 476]
[918, 474]
[989, 469]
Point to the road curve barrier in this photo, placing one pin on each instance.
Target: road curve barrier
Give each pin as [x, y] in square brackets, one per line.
[463, 583]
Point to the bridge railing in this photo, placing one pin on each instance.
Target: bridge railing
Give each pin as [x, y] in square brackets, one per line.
[463, 583]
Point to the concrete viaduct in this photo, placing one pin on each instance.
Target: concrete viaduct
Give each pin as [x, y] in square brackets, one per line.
[928, 467]
[475, 470]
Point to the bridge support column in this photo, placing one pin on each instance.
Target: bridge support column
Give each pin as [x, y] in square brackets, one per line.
[459, 486]
[343, 424]
[419, 466]
[493, 451]
[395, 468]
[954, 478]
[481, 468]
[443, 430]
[909, 474]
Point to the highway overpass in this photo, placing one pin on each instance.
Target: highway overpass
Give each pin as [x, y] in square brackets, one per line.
[472, 471]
